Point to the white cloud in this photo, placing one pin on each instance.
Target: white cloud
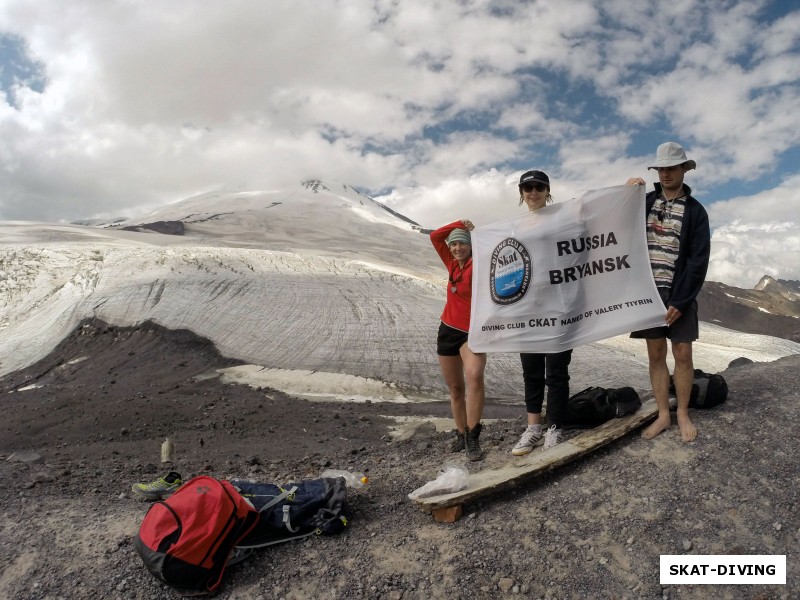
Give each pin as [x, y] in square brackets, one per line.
[755, 236]
[482, 198]
[729, 91]
[781, 36]
[779, 205]
[741, 256]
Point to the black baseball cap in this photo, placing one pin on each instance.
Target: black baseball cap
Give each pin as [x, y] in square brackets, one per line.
[531, 176]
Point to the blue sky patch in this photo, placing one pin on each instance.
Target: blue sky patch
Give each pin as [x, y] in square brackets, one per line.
[18, 69]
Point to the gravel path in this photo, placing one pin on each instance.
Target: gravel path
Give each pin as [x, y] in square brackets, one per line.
[593, 529]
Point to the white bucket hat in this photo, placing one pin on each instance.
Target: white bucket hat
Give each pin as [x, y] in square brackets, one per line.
[670, 154]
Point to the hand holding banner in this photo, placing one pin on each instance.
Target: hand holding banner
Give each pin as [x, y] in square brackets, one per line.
[565, 275]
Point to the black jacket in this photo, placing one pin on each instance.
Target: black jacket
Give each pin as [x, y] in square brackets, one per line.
[693, 253]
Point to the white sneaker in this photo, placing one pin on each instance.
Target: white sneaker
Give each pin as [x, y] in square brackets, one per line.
[531, 435]
[552, 437]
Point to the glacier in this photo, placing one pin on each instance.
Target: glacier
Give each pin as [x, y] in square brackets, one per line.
[319, 290]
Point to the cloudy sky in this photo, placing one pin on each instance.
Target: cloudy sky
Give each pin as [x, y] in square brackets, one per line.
[113, 107]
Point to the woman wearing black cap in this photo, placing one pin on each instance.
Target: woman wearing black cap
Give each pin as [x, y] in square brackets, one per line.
[540, 369]
[461, 367]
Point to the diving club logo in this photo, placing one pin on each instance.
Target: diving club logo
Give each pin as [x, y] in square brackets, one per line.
[510, 274]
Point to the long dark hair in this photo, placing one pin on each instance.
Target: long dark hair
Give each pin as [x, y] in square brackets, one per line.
[549, 199]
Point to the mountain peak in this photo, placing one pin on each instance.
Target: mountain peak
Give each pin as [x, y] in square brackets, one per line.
[790, 290]
[765, 281]
[314, 185]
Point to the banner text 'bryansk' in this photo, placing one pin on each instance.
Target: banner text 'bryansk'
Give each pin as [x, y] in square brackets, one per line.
[585, 244]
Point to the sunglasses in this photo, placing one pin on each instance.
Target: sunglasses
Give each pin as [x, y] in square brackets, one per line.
[529, 187]
[663, 211]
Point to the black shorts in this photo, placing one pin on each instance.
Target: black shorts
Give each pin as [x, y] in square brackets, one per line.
[450, 340]
[685, 329]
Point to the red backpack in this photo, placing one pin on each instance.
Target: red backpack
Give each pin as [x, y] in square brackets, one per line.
[187, 539]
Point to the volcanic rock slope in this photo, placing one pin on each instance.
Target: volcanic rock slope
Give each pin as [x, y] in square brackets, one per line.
[772, 307]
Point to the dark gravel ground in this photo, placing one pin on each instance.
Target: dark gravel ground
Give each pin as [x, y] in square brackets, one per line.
[593, 529]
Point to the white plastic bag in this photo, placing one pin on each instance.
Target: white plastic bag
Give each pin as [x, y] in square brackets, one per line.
[451, 478]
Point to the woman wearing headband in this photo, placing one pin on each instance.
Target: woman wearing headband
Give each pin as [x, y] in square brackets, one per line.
[462, 368]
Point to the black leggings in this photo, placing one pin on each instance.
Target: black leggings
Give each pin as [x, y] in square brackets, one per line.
[552, 370]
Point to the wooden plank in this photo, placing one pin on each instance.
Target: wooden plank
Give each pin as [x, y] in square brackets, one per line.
[521, 469]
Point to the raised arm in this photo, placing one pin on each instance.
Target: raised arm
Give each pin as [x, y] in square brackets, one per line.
[439, 238]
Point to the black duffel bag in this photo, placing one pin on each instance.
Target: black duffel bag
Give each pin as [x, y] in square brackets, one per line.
[625, 401]
[596, 405]
[708, 390]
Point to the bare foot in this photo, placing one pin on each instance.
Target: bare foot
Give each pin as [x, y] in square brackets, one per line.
[656, 427]
[688, 430]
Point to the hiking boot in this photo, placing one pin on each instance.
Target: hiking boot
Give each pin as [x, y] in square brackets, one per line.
[472, 442]
[160, 488]
[552, 437]
[529, 438]
[457, 444]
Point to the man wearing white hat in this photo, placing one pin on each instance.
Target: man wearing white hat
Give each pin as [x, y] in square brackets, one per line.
[679, 243]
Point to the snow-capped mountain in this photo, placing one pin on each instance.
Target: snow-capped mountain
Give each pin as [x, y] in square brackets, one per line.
[320, 289]
[330, 220]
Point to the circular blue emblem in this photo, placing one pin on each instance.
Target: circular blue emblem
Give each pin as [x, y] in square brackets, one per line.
[510, 272]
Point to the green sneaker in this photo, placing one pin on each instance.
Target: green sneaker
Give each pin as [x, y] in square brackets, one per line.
[160, 488]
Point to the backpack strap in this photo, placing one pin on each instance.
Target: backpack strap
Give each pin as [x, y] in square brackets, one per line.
[244, 547]
[287, 519]
[278, 498]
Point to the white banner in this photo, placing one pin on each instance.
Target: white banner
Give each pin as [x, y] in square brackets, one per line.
[568, 274]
